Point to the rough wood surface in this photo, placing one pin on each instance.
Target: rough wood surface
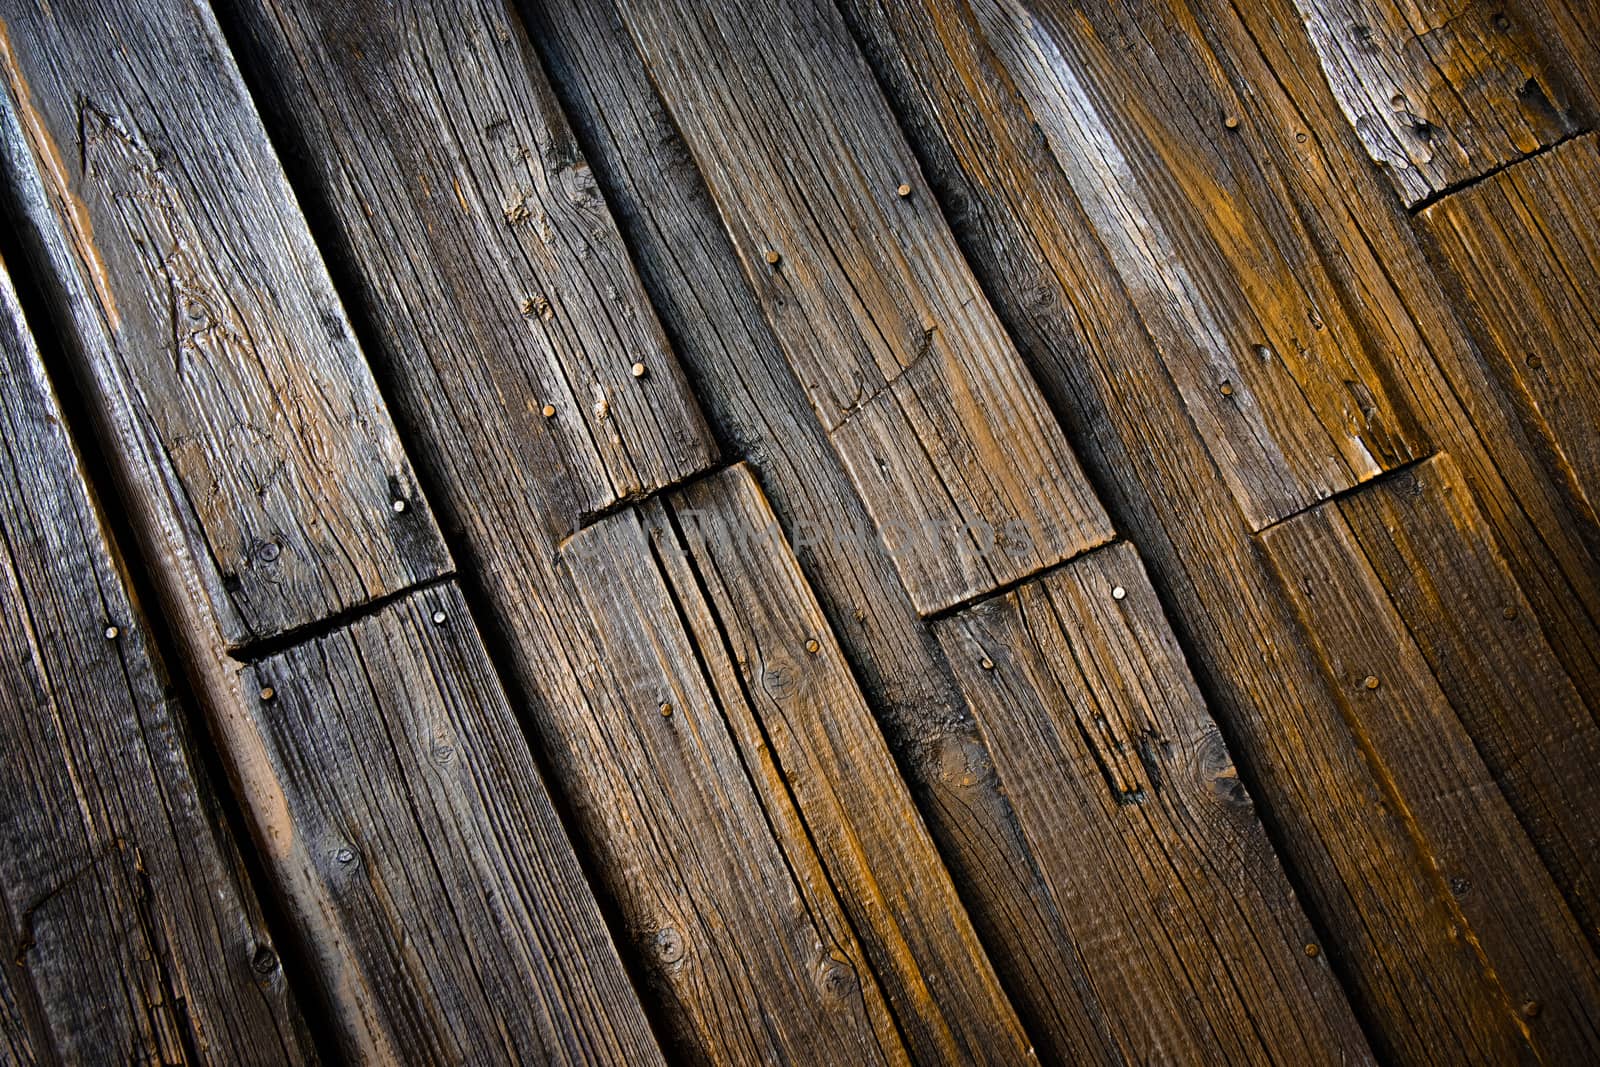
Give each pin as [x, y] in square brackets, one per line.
[469, 222]
[1043, 262]
[967, 475]
[455, 923]
[1439, 92]
[1195, 945]
[782, 683]
[231, 353]
[1524, 247]
[752, 396]
[1426, 541]
[1535, 959]
[127, 914]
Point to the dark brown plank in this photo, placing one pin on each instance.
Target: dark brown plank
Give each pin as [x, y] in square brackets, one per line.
[449, 920]
[128, 917]
[743, 936]
[967, 476]
[749, 391]
[15, 1045]
[231, 358]
[782, 682]
[1196, 946]
[1534, 954]
[471, 227]
[1426, 541]
[1524, 247]
[1047, 269]
[1439, 93]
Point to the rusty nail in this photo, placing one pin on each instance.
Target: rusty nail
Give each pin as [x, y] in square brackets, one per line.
[773, 257]
[904, 190]
[986, 663]
[267, 692]
[1232, 122]
[1531, 1009]
[112, 633]
[1313, 951]
[549, 411]
[1370, 681]
[665, 709]
[812, 646]
[638, 370]
[1226, 388]
[1510, 613]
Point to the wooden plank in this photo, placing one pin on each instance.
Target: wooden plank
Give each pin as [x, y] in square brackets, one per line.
[1271, 367]
[1038, 255]
[131, 926]
[743, 935]
[751, 394]
[968, 478]
[467, 219]
[1425, 540]
[452, 921]
[15, 1044]
[1533, 952]
[1439, 93]
[1523, 247]
[231, 355]
[782, 682]
[1149, 842]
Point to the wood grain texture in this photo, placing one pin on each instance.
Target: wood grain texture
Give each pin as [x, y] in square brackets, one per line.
[456, 926]
[754, 399]
[782, 683]
[231, 352]
[1534, 955]
[1195, 944]
[1523, 246]
[1425, 540]
[468, 220]
[1439, 93]
[742, 932]
[1038, 255]
[967, 475]
[131, 929]
[1273, 371]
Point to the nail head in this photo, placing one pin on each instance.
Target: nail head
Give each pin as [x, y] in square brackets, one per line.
[268, 693]
[1313, 951]
[638, 370]
[112, 633]
[439, 618]
[1232, 122]
[812, 646]
[1370, 681]
[397, 506]
[904, 190]
[1117, 592]
[549, 411]
[665, 709]
[773, 257]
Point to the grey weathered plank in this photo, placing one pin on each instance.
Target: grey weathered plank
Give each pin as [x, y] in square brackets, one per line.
[1169, 888]
[1439, 93]
[449, 919]
[1534, 954]
[131, 926]
[231, 354]
[782, 682]
[966, 474]
[750, 392]
[742, 931]
[1271, 366]
[15, 1045]
[1523, 245]
[470, 224]
[1048, 272]
[1425, 540]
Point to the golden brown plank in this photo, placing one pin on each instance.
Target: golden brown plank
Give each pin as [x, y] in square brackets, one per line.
[232, 363]
[1524, 247]
[967, 476]
[1195, 945]
[1440, 93]
[130, 925]
[471, 226]
[1501, 899]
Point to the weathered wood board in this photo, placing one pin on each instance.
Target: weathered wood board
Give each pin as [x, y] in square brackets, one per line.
[1535, 958]
[231, 357]
[727, 728]
[453, 922]
[1440, 93]
[1524, 246]
[469, 222]
[1168, 886]
[751, 394]
[129, 923]
[965, 472]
